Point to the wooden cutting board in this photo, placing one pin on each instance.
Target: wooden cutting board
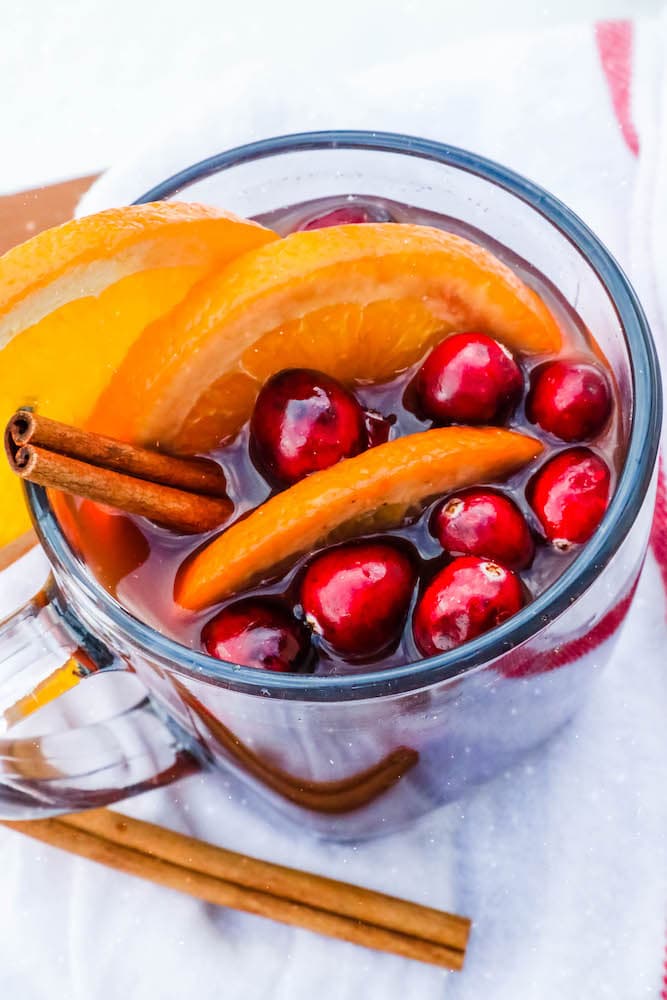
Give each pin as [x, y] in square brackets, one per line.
[21, 216]
[27, 212]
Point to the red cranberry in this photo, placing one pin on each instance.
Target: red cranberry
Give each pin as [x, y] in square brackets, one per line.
[469, 378]
[481, 522]
[256, 633]
[357, 596]
[346, 215]
[465, 599]
[304, 421]
[568, 399]
[569, 494]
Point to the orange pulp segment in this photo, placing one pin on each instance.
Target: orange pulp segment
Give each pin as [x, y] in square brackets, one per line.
[375, 490]
[358, 302]
[73, 299]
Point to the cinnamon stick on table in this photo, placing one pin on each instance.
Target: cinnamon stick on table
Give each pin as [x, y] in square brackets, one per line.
[319, 904]
[186, 494]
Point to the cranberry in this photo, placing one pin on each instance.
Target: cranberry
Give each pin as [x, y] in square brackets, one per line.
[469, 378]
[569, 494]
[304, 421]
[482, 522]
[256, 632]
[466, 598]
[346, 215]
[568, 399]
[357, 596]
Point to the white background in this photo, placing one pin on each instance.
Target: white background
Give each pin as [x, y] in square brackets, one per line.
[83, 82]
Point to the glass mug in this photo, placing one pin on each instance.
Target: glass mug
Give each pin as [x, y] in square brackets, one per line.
[354, 755]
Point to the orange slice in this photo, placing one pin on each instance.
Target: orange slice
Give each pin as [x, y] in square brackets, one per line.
[373, 491]
[73, 298]
[357, 302]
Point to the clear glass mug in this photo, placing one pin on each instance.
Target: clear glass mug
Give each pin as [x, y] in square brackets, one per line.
[348, 756]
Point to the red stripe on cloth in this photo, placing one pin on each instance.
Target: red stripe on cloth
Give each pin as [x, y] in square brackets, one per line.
[659, 528]
[614, 42]
[526, 664]
[659, 546]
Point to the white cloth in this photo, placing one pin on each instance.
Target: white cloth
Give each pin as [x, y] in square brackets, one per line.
[562, 860]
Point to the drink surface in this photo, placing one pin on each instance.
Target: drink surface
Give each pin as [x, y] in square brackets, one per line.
[139, 561]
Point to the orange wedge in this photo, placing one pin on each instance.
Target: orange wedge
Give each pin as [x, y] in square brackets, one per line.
[73, 298]
[357, 302]
[373, 491]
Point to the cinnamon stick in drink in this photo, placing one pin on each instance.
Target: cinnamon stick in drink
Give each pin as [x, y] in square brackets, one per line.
[186, 495]
[197, 475]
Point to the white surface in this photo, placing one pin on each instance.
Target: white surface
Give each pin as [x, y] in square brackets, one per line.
[82, 82]
[562, 861]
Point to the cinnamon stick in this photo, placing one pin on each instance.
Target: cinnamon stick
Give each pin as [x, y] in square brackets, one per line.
[314, 890]
[185, 512]
[339, 796]
[197, 475]
[227, 879]
[135, 480]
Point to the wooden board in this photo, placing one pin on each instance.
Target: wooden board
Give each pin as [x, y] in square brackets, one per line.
[28, 212]
[21, 216]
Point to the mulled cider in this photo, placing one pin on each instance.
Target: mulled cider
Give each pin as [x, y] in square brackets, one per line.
[417, 436]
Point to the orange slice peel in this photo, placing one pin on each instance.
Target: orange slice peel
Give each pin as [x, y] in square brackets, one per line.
[375, 490]
[361, 303]
[73, 299]
[84, 256]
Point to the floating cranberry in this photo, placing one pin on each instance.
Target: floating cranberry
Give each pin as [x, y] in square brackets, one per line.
[357, 596]
[466, 598]
[304, 421]
[482, 522]
[469, 378]
[257, 633]
[569, 399]
[346, 215]
[569, 495]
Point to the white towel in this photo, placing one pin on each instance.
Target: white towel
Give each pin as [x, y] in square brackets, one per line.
[562, 860]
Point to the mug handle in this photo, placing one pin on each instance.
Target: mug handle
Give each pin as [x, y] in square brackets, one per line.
[82, 767]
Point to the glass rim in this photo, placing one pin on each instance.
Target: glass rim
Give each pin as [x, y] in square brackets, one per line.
[626, 502]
